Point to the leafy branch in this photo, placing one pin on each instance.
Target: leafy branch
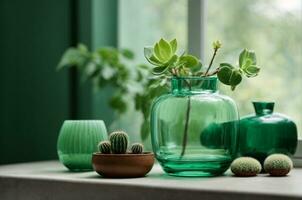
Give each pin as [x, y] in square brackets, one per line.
[109, 66]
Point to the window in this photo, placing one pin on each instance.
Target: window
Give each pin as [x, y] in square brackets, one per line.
[277, 41]
[141, 23]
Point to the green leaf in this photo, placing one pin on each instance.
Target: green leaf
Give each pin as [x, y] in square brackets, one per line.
[246, 58]
[173, 44]
[189, 61]
[118, 103]
[127, 54]
[148, 53]
[225, 65]
[109, 55]
[235, 79]
[91, 70]
[196, 68]
[138, 101]
[82, 48]
[165, 49]
[248, 62]
[143, 66]
[172, 61]
[228, 75]
[73, 57]
[155, 61]
[159, 70]
[157, 53]
[251, 71]
[224, 74]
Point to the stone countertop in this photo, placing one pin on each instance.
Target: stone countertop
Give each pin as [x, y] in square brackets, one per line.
[52, 181]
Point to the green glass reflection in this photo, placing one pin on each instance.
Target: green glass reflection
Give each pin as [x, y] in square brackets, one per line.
[205, 154]
[77, 141]
[265, 132]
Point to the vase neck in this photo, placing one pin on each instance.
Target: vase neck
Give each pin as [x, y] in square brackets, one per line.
[264, 108]
[193, 85]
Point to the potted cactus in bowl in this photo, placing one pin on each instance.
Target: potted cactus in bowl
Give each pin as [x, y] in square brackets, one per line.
[114, 160]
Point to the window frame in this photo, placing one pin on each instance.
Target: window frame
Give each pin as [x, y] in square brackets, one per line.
[197, 15]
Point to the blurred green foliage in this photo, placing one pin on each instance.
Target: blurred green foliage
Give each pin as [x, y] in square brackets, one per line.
[108, 66]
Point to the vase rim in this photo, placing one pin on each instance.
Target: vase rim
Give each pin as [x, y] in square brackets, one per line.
[82, 120]
[195, 77]
[263, 102]
[263, 107]
[193, 84]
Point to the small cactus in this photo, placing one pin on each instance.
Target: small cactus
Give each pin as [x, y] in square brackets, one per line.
[119, 142]
[137, 148]
[246, 166]
[278, 165]
[105, 147]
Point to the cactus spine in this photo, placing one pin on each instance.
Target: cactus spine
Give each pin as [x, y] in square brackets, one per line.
[137, 148]
[105, 147]
[119, 142]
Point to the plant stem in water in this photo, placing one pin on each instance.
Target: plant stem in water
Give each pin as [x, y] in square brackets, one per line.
[185, 138]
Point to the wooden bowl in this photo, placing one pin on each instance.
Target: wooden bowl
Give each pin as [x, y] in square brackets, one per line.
[122, 165]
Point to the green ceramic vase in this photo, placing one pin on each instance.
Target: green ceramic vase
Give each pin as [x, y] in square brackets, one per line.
[78, 140]
[194, 128]
[266, 132]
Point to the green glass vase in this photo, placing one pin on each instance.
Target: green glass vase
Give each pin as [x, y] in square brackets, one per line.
[266, 132]
[78, 140]
[194, 128]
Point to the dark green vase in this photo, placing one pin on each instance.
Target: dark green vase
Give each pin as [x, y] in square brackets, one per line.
[265, 133]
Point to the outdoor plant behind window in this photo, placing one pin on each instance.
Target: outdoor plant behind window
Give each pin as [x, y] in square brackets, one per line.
[277, 39]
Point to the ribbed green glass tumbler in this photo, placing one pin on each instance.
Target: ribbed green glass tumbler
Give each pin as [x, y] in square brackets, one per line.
[77, 141]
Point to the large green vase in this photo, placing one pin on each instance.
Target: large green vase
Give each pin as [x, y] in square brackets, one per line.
[194, 128]
[266, 132]
[78, 140]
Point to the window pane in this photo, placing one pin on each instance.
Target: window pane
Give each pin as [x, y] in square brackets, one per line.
[272, 28]
[141, 23]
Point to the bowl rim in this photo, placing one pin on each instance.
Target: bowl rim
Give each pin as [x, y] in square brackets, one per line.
[148, 153]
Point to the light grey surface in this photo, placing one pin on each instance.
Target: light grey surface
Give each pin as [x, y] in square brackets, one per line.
[50, 180]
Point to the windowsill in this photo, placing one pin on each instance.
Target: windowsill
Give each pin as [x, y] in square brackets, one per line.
[50, 180]
[297, 158]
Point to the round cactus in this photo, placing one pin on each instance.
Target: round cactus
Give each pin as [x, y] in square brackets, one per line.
[246, 166]
[137, 148]
[105, 147]
[278, 165]
[119, 142]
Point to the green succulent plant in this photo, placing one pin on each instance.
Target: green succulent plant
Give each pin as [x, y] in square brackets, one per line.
[246, 166]
[278, 165]
[137, 148]
[163, 55]
[104, 147]
[119, 142]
